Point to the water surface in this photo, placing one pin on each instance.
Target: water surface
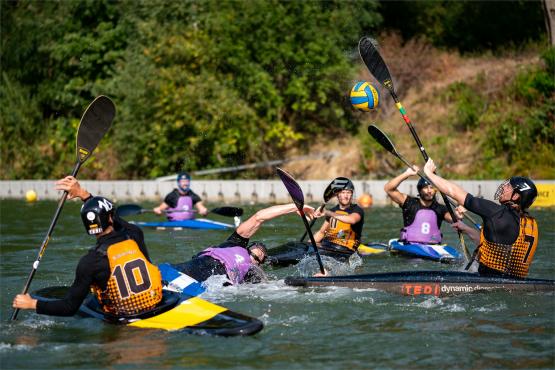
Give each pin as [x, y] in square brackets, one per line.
[326, 328]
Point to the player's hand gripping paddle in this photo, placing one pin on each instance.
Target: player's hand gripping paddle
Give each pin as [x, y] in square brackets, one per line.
[298, 198]
[94, 124]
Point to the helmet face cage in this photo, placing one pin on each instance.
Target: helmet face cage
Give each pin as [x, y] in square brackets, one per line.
[499, 190]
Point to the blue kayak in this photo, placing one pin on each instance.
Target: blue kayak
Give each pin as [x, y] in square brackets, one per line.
[434, 252]
[198, 223]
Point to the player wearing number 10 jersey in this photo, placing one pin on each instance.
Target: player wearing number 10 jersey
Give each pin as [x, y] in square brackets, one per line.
[117, 268]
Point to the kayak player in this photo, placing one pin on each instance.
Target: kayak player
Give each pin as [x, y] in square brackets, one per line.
[236, 257]
[341, 231]
[178, 205]
[422, 215]
[111, 268]
[509, 235]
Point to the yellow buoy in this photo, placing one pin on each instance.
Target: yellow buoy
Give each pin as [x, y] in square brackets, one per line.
[31, 196]
[365, 201]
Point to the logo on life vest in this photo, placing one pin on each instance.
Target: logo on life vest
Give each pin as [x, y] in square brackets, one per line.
[105, 204]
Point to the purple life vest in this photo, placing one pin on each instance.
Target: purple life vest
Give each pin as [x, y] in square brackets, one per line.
[236, 261]
[423, 229]
[184, 203]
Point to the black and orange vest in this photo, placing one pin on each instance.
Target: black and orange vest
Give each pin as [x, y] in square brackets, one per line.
[134, 286]
[341, 233]
[512, 259]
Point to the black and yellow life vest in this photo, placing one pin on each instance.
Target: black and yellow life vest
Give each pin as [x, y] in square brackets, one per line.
[341, 233]
[134, 286]
[512, 259]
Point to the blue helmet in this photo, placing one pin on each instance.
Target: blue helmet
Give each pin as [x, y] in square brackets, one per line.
[422, 183]
[183, 176]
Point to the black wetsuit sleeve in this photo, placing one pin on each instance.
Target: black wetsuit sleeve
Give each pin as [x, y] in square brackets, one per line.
[194, 196]
[172, 198]
[234, 240]
[482, 207]
[500, 223]
[441, 212]
[76, 294]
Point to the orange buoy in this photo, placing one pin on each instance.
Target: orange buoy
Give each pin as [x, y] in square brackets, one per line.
[365, 201]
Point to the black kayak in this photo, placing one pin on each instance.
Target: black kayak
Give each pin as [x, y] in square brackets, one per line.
[292, 252]
[177, 311]
[436, 283]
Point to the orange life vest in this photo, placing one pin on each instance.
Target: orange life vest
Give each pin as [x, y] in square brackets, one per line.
[341, 233]
[134, 286]
[512, 259]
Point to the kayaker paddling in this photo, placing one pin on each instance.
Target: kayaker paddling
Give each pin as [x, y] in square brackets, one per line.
[179, 203]
[509, 235]
[111, 268]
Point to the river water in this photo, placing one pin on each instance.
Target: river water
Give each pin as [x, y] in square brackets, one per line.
[327, 328]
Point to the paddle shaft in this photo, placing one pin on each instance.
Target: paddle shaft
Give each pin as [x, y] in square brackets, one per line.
[311, 236]
[46, 239]
[312, 223]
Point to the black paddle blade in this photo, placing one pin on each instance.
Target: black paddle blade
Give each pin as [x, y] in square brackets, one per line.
[94, 124]
[128, 210]
[292, 187]
[228, 211]
[374, 62]
[382, 139]
[329, 192]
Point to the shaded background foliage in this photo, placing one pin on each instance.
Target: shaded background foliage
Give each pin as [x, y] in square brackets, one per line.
[205, 84]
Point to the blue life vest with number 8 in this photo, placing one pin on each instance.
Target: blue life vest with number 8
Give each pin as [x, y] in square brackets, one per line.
[134, 286]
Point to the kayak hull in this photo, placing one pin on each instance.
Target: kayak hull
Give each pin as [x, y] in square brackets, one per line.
[199, 223]
[292, 252]
[435, 252]
[435, 283]
[176, 312]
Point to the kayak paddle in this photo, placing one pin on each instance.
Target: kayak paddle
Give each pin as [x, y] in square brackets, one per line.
[135, 209]
[298, 198]
[329, 193]
[377, 67]
[94, 124]
[386, 143]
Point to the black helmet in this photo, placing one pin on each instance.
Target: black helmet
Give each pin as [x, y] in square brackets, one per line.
[422, 183]
[526, 189]
[95, 214]
[342, 183]
[262, 247]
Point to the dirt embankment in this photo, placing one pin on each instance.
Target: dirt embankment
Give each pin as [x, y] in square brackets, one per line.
[422, 76]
